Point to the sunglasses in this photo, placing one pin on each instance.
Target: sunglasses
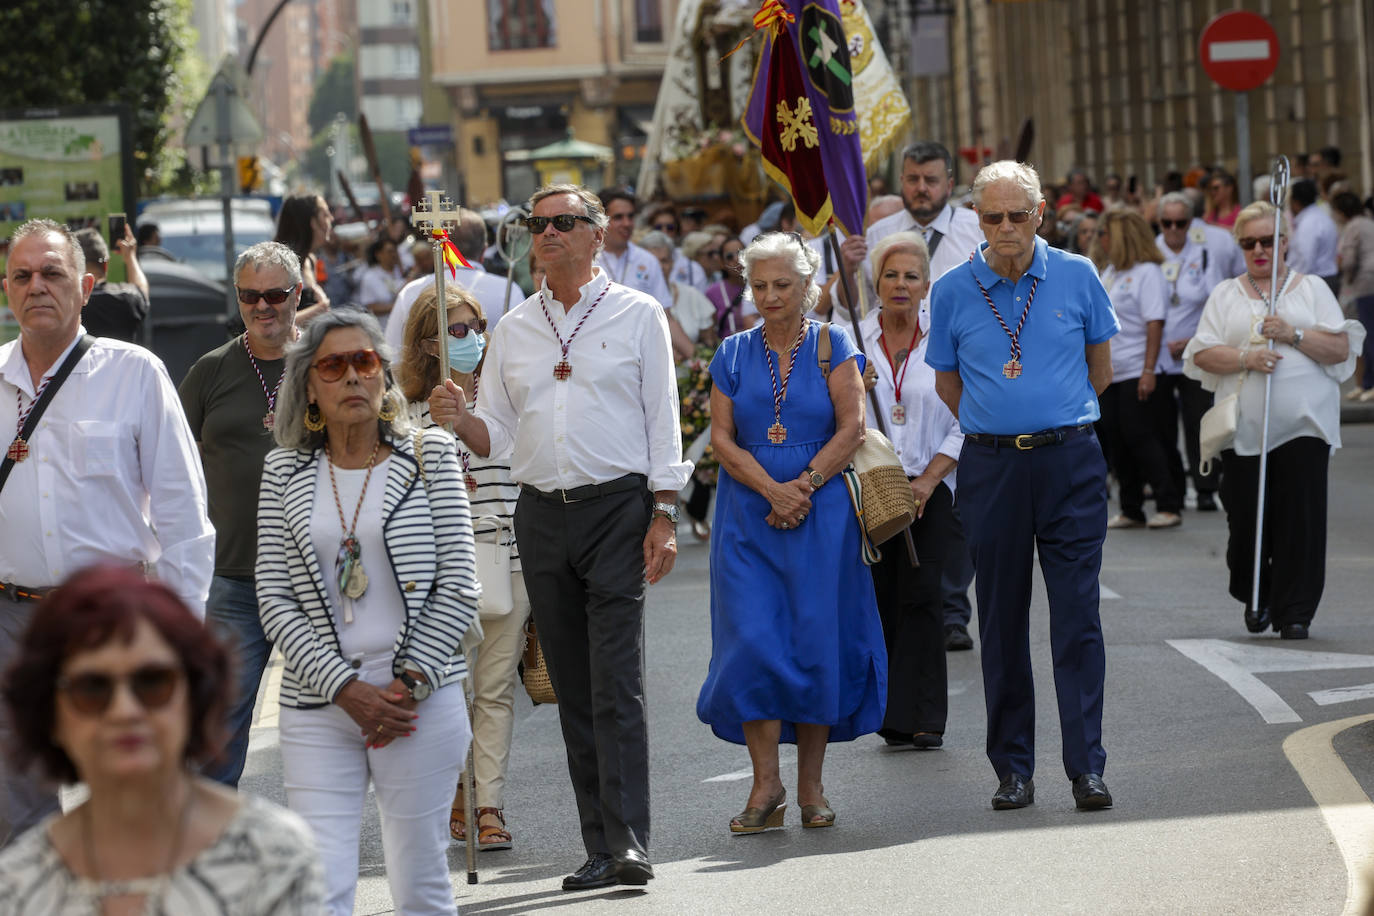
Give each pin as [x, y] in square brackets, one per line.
[731, 256]
[666, 227]
[334, 366]
[1175, 223]
[1249, 242]
[563, 222]
[460, 329]
[91, 693]
[273, 296]
[1016, 216]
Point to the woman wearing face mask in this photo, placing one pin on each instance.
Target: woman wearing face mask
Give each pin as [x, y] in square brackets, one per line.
[490, 493]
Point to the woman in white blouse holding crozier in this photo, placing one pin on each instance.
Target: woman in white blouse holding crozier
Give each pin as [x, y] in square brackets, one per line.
[927, 440]
[1314, 351]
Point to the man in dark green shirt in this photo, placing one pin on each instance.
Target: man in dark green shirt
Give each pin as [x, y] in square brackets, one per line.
[230, 396]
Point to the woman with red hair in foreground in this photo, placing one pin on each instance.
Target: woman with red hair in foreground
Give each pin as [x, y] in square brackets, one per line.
[119, 687]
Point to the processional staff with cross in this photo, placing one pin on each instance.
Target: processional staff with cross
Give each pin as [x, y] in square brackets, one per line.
[435, 214]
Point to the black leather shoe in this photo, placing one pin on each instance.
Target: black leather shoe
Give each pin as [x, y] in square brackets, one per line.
[957, 638]
[1257, 623]
[632, 867]
[1016, 791]
[1293, 631]
[1206, 502]
[1090, 793]
[598, 871]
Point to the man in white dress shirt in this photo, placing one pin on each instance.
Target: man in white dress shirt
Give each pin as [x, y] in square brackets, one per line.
[625, 262]
[951, 235]
[488, 289]
[110, 474]
[1315, 236]
[579, 387]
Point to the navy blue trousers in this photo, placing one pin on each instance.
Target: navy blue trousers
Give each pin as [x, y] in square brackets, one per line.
[1051, 499]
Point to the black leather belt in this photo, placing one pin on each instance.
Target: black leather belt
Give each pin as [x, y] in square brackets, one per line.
[17, 593]
[590, 491]
[1027, 441]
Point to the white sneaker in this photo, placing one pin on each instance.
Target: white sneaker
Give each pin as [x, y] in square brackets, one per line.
[1164, 520]
[1354, 393]
[1125, 521]
[1367, 396]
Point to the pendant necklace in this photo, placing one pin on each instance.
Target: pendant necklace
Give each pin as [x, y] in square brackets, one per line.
[269, 418]
[777, 433]
[464, 455]
[563, 368]
[19, 449]
[348, 564]
[898, 411]
[1011, 368]
[153, 888]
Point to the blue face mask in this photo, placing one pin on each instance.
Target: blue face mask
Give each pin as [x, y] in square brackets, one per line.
[465, 353]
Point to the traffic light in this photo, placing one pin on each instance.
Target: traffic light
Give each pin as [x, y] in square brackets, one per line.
[250, 175]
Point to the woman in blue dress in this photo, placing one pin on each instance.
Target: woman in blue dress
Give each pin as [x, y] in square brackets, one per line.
[796, 642]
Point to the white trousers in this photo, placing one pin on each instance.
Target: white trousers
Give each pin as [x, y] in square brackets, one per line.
[326, 766]
[493, 701]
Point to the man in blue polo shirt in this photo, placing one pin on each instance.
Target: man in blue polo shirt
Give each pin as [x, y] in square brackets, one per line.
[1019, 339]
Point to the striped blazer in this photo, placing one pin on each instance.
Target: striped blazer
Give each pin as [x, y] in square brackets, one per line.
[428, 534]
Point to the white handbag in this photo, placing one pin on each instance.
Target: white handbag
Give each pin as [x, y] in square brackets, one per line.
[492, 544]
[1217, 429]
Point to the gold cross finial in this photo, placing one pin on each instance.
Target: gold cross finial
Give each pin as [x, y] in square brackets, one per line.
[435, 210]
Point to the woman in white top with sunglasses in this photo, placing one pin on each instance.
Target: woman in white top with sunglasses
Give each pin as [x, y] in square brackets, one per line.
[1314, 350]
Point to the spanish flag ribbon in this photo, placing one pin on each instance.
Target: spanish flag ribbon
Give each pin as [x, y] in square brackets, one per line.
[452, 256]
[772, 14]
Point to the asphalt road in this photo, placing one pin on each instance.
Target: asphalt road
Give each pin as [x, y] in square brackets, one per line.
[1220, 746]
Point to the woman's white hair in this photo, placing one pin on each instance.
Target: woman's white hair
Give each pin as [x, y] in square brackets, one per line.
[1020, 174]
[788, 247]
[900, 243]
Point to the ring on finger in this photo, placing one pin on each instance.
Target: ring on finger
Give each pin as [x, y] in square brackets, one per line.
[379, 729]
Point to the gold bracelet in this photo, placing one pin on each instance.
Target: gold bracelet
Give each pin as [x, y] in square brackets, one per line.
[1243, 353]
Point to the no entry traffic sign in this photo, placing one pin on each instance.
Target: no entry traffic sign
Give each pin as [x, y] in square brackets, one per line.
[1239, 50]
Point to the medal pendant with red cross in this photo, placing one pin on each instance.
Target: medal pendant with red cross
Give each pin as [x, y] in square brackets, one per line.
[470, 482]
[898, 414]
[269, 419]
[18, 450]
[777, 433]
[562, 370]
[1012, 368]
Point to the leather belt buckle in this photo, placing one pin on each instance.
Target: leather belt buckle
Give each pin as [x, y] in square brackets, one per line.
[566, 501]
[1027, 446]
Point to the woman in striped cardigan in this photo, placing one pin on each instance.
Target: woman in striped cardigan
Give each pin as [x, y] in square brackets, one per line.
[367, 591]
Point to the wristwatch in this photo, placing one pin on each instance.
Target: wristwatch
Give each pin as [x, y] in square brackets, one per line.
[668, 511]
[419, 690]
[1297, 338]
[816, 477]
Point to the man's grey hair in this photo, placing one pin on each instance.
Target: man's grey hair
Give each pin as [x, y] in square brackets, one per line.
[269, 254]
[591, 205]
[1018, 173]
[1176, 199]
[46, 226]
[289, 428]
[657, 241]
[800, 258]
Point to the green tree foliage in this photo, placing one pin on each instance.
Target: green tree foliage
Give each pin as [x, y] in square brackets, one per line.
[335, 94]
[100, 51]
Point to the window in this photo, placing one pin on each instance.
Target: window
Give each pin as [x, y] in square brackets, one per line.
[516, 24]
[649, 21]
[401, 13]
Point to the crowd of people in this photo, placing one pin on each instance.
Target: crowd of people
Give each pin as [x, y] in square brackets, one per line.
[318, 485]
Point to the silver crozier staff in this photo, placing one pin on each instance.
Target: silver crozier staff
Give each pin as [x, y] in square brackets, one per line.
[435, 215]
[1278, 190]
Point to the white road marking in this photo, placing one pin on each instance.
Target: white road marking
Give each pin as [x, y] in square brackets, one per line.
[1107, 593]
[1344, 805]
[786, 752]
[1342, 694]
[1239, 50]
[1237, 665]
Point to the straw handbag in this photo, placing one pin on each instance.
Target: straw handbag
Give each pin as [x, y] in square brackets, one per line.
[877, 481]
[536, 674]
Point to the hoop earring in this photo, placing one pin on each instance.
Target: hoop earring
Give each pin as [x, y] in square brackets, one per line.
[313, 420]
[388, 411]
